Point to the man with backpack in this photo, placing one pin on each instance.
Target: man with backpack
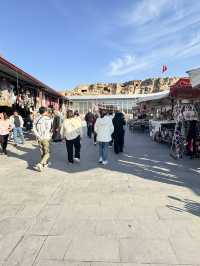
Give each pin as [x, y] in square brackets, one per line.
[42, 129]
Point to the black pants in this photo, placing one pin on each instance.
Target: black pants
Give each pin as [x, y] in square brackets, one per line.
[29, 125]
[4, 142]
[89, 130]
[118, 143]
[95, 137]
[71, 145]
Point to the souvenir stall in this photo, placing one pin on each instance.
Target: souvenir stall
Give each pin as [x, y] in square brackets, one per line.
[112, 108]
[186, 139]
[18, 97]
[162, 130]
[7, 96]
[23, 92]
[139, 120]
[157, 112]
[24, 99]
[161, 127]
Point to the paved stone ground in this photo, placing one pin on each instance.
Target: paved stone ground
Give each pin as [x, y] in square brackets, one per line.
[141, 209]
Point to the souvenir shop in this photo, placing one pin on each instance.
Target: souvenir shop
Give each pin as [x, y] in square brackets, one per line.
[186, 113]
[154, 113]
[22, 92]
[173, 116]
[159, 111]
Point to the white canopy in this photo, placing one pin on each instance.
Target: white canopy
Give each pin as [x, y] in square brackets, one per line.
[194, 76]
[154, 96]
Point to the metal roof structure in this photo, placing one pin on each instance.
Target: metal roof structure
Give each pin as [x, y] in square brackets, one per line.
[143, 97]
[13, 72]
[101, 97]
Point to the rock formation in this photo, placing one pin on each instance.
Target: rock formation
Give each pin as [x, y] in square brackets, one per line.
[150, 85]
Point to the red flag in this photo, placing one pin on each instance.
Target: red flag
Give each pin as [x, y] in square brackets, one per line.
[164, 68]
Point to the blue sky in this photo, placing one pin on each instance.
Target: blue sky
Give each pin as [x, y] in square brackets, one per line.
[65, 43]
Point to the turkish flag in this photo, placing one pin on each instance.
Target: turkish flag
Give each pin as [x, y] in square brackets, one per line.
[164, 68]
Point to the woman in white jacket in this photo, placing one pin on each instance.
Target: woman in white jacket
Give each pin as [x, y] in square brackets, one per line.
[71, 130]
[104, 129]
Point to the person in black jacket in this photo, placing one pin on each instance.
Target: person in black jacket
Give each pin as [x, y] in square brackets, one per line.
[118, 135]
[89, 118]
[56, 127]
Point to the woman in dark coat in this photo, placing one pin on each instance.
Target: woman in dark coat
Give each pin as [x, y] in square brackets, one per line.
[56, 127]
[118, 135]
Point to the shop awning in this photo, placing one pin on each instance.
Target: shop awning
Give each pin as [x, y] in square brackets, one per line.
[14, 72]
[182, 89]
[195, 77]
[154, 96]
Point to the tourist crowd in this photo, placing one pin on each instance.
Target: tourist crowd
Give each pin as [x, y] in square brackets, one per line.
[105, 127]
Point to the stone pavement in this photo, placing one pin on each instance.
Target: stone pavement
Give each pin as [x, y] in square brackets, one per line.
[141, 209]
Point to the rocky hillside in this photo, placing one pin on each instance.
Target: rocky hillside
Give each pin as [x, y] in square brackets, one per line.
[150, 85]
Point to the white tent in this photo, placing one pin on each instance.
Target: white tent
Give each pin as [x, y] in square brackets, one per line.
[154, 96]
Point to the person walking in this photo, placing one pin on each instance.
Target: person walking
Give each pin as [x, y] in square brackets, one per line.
[42, 129]
[93, 126]
[5, 129]
[104, 129]
[89, 118]
[110, 115]
[77, 116]
[17, 123]
[29, 122]
[56, 126]
[71, 131]
[118, 135]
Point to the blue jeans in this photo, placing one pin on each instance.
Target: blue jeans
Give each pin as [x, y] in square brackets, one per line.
[18, 135]
[103, 150]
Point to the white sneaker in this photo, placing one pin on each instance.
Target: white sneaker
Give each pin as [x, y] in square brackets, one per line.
[100, 160]
[77, 160]
[105, 162]
[45, 165]
[38, 167]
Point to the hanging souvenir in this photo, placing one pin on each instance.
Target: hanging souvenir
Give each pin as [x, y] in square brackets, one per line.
[5, 93]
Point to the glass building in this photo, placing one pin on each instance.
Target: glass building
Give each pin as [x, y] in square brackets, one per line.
[124, 103]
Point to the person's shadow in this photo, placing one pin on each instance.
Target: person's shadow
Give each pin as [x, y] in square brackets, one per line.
[142, 158]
